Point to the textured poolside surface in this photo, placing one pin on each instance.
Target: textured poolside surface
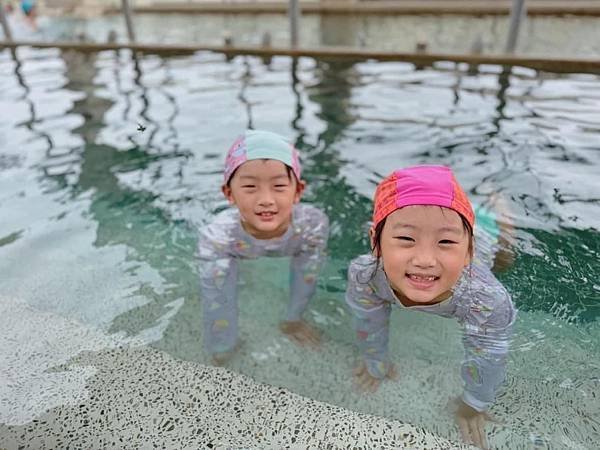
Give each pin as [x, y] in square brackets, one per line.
[143, 398]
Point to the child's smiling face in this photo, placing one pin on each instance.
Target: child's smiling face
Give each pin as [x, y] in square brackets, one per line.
[264, 191]
[424, 250]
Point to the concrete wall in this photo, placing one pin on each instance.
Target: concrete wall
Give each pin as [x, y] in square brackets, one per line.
[103, 4]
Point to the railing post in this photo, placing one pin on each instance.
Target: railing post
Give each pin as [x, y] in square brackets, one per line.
[128, 20]
[516, 14]
[294, 14]
[5, 27]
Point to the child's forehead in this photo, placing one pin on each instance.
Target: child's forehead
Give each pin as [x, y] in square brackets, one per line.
[262, 168]
[430, 216]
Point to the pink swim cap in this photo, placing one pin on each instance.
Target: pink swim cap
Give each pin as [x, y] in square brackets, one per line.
[421, 185]
[258, 144]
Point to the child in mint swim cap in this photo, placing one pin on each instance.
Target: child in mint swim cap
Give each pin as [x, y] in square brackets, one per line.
[262, 182]
[428, 255]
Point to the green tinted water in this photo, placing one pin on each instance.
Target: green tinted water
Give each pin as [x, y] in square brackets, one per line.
[99, 218]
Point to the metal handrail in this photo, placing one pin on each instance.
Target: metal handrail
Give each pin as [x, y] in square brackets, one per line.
[5, 26]
[128, 20]
[294, 14]
[517, 12]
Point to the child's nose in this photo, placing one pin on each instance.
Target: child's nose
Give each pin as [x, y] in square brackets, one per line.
[266, 198]
[424, 257]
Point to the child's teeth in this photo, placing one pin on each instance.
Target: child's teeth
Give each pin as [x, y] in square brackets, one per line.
[417, 277]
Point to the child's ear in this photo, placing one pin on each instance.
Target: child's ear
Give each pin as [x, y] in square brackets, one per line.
[467, 259]
[469, 255]
[300, 186]
[372, 240]
[226, 189]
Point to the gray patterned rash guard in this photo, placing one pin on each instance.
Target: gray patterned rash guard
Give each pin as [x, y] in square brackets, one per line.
[479, 302]
[224, 242]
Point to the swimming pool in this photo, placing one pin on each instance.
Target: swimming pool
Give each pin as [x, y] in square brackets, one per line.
[108, 165]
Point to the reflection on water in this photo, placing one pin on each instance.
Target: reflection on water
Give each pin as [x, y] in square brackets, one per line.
[110, 161]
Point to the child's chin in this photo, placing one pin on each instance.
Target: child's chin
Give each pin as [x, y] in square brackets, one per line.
[267, 226]
[424, 300]
[270, 227]
[422, 297]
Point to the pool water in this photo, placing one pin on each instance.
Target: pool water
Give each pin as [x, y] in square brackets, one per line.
[110, 163]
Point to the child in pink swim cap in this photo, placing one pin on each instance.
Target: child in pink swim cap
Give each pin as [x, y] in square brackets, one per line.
[262, 182]
[425, 257]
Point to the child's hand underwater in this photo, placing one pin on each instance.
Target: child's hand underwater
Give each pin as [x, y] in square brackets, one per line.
[365, 382]
[472, 424]
[301, 333]
[222, 358]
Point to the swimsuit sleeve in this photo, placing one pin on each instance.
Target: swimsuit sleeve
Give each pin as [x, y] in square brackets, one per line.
[311, 228]
[371, 316]
[218, 286]
[487, 332]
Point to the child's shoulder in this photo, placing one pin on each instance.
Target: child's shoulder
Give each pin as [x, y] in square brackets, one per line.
[363, 261]
[229, 216]
[305, 210]
[308, 216]
[222, 227]
[487, 298]
[484, 282]
[361, 268]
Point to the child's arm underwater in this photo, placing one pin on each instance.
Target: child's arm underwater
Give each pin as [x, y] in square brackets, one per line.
[371, 323]
[488, 325]
[484, 368]
[218, 285]
[488, 329]
[312, 228]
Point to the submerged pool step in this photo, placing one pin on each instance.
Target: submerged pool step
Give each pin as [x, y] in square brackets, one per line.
[406, 7]
[564, 65]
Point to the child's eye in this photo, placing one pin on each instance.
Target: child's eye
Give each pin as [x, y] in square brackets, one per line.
[404, 238]
[447, 242]
[281, 186]
[248, 186]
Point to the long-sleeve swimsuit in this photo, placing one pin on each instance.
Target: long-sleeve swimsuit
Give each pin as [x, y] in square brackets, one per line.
[224, 242]
[478, 300]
